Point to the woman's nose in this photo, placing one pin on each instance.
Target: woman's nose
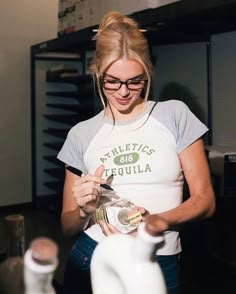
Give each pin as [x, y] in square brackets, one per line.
[124, 91]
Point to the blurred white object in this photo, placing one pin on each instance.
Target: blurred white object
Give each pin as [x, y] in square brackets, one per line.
[40, 263]
[122, 264]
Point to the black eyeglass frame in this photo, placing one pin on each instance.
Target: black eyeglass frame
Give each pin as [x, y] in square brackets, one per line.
[127, 82]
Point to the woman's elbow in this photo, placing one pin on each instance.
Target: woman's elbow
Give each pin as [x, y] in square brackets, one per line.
[66, 228]
[211, 208]
[67, 231]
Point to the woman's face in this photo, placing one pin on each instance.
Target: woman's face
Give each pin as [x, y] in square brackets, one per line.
[122, 84]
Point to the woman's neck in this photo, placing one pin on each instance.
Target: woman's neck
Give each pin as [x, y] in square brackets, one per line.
[113, 113]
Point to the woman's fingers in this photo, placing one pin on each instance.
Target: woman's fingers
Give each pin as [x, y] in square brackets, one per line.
[86, 193]
[91, 179]
[100, 170]
[82, 201]
[86, 190]
[144, 213]
[108, 229]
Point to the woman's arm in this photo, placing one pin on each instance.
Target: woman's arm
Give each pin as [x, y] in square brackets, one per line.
[73, 220]
[201, 203]
[80, 197]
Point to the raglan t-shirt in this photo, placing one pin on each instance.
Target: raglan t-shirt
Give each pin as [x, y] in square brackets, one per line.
[142, 156]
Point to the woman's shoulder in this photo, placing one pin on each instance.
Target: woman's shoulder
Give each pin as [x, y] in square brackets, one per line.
[169, 108]
[90, 122]
[88, 126]
[173, 104]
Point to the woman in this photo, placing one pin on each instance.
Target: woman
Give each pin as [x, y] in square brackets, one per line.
[147, 147]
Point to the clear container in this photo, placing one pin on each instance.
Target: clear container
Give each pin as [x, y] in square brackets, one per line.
[121, 213]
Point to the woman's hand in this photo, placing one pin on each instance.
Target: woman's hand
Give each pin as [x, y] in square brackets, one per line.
[155, 225]
[87, 191]
[109, 229]
[144, 213]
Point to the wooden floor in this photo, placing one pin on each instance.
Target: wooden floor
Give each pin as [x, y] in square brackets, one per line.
[205, 269]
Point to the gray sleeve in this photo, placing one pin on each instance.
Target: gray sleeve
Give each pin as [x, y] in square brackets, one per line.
[189, 127]
[72, 150]
[183, 124]
[78, 140]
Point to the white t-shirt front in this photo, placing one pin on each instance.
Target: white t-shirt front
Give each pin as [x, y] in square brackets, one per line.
[142, 156]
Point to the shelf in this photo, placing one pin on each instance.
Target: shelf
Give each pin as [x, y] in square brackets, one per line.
[82, 93]
[53, 159]
[66, 94]
[58, 56]
[57, 186]
[73, 79]
[61, 84]
[186, 20]
[57, 173]
[61, 133]
[55, 145]
[67, 119]
[191, 16]
[66, 43]
[72, 107]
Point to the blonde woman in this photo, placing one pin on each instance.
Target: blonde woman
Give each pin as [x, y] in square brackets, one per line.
[148, 147]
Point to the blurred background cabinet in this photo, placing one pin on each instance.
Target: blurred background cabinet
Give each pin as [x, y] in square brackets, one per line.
[63, 95]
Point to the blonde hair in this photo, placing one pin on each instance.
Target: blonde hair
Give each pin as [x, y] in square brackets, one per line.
[119, 37]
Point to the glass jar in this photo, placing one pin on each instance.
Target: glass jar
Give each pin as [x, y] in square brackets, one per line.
[121, 213]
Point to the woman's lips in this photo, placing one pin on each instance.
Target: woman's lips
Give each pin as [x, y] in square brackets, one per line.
[123, 101]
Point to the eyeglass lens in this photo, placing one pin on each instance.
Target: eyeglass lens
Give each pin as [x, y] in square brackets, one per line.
[115, 84]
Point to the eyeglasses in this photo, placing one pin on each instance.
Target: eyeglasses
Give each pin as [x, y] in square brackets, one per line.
[113, 84]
